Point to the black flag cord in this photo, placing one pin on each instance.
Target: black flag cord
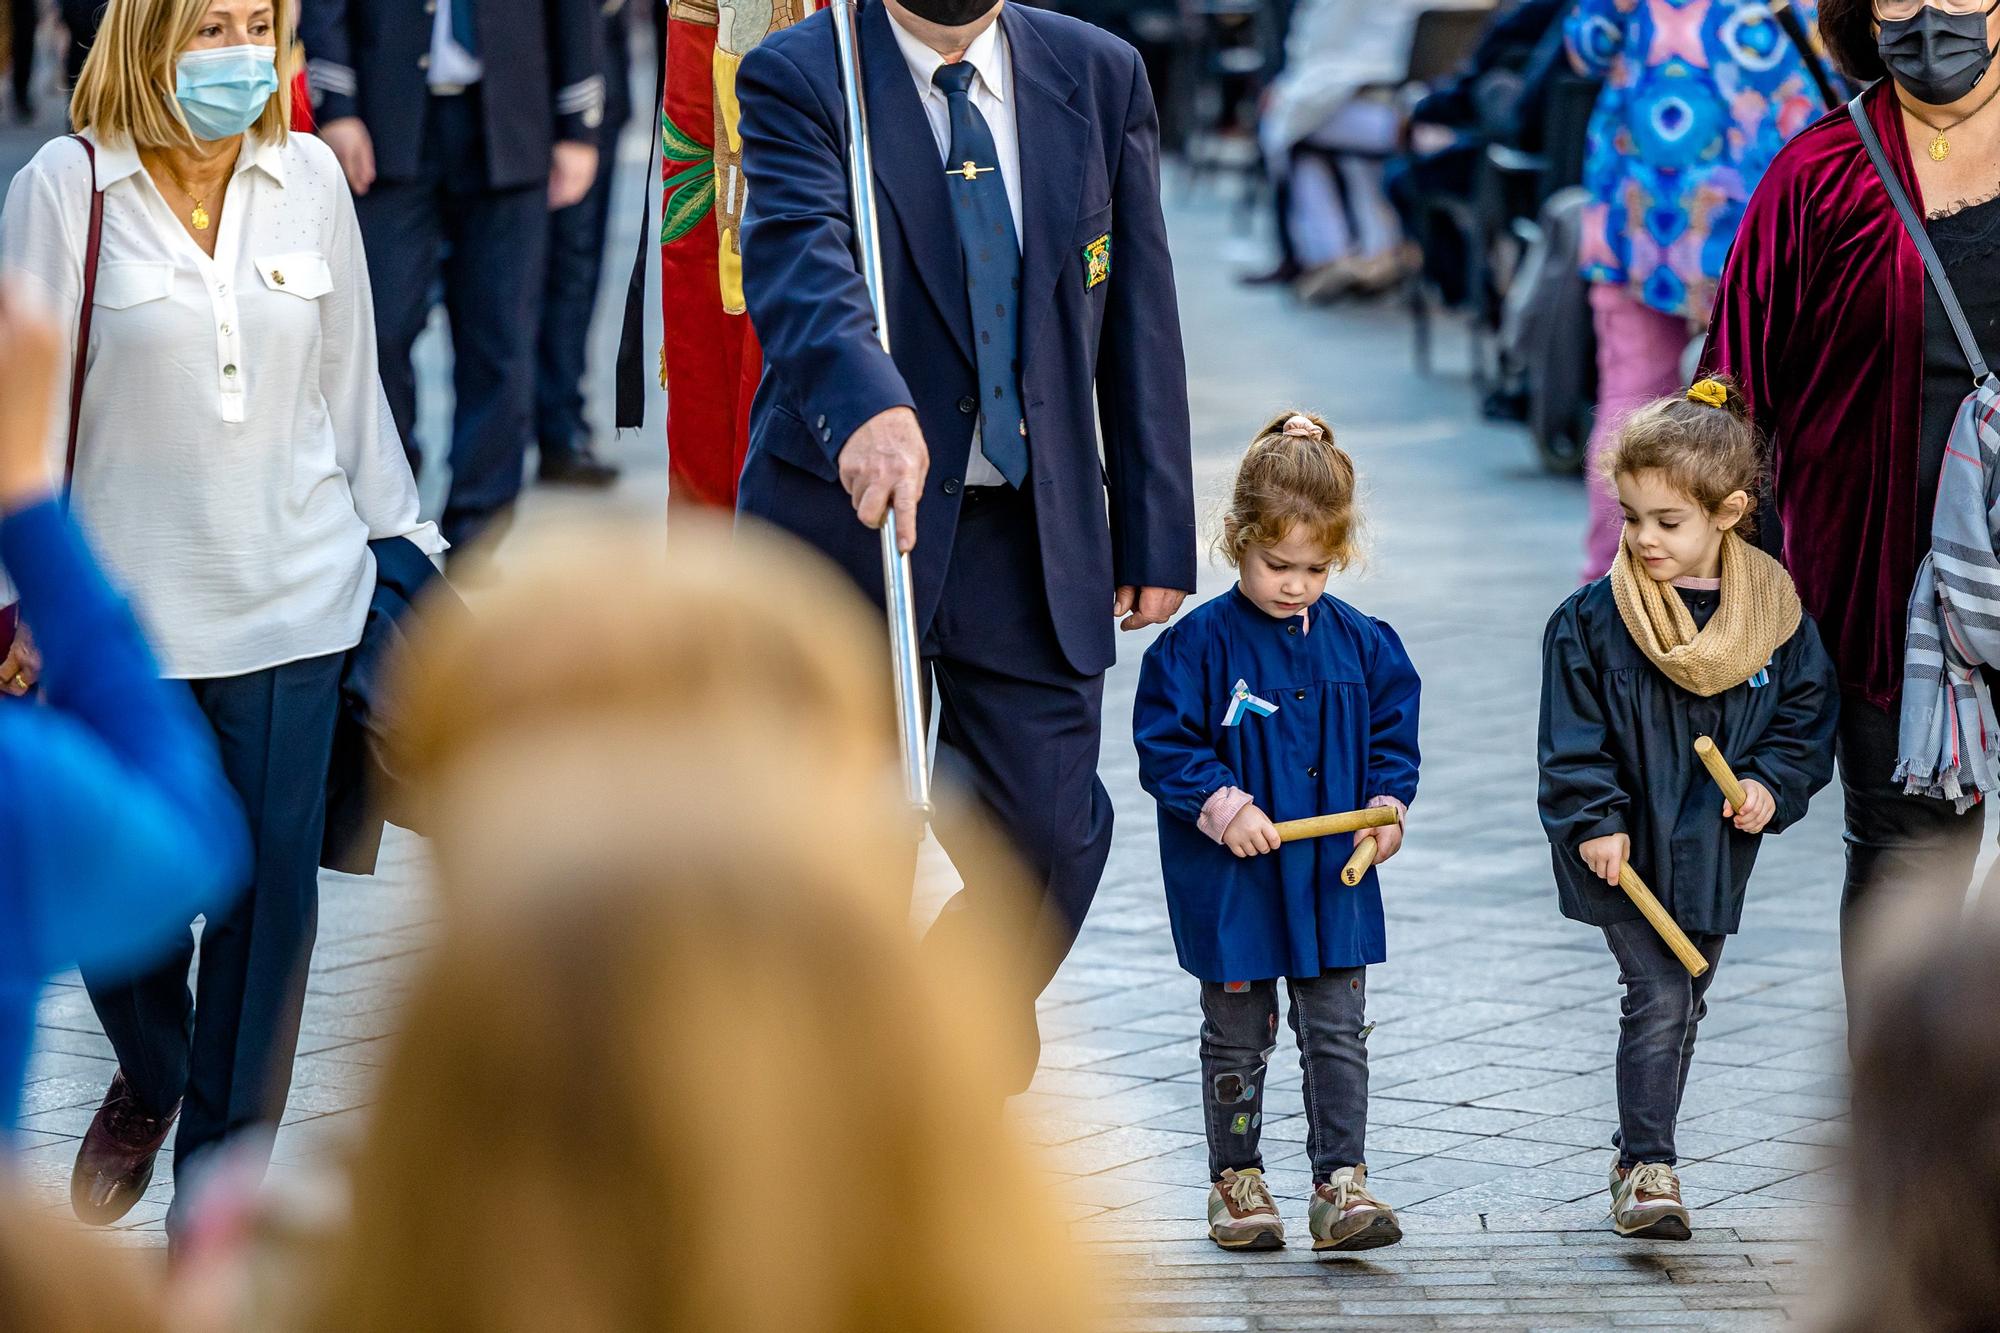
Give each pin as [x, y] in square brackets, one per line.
[631, 370]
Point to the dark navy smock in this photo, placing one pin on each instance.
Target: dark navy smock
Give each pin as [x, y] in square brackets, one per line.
[1617, 756]
[1345, 731]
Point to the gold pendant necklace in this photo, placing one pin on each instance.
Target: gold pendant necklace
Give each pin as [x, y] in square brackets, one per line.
[198, 219]
[1939, 147]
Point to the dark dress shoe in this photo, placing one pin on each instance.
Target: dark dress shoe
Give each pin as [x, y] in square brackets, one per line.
[115, 1163]
[576, 467]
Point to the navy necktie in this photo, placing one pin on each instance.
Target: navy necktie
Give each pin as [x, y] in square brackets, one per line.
[992, 274]
[462, 29]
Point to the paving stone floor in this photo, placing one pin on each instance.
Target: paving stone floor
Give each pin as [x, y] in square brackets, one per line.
[1491, 1064]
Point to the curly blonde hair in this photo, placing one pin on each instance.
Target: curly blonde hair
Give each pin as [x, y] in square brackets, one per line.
[1704, 448]
[1292, 475]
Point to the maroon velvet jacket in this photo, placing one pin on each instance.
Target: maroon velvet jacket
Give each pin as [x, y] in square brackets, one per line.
[1820, 319]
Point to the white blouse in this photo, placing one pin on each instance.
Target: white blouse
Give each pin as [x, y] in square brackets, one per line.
[235, 453]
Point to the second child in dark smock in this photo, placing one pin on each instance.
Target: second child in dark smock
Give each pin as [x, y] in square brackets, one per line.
[1275, 701]
[1693, 633]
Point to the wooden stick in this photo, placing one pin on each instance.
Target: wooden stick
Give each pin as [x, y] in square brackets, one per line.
[1656, 915]
[1347, 821]
[1357, 864]
[1718, 768]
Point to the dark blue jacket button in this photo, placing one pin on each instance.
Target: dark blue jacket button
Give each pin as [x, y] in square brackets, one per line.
[968, 405]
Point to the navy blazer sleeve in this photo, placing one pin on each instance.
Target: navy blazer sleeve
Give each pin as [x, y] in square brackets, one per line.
[329, 45]
[1142, 403]
[1794, 756]
[800, 281]
[576, 68]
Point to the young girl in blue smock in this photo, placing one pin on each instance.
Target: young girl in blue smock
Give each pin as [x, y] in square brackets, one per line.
[1272, 702]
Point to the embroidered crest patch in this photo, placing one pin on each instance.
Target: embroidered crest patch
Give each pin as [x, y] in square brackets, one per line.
[1097, 261]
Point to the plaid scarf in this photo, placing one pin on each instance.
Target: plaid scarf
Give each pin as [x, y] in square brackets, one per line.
[1758, 612]
[1948, 743]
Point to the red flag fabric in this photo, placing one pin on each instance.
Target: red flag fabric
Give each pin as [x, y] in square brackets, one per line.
[709, 359]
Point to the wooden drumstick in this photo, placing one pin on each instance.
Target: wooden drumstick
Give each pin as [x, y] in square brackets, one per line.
[1656, 916]
[1718, 768]
[1357, 864]
[1347, 821]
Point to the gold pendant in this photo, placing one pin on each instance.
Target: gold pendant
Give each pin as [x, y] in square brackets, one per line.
[199, 218]
[1939, 149]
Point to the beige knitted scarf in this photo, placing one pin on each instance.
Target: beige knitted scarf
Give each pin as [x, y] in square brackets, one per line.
[1759, 611]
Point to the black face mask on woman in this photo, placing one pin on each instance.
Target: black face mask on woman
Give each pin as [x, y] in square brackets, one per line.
[1936, 57]
[949, 13]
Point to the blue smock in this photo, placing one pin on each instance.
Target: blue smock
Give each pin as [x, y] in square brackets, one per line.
[1344, 731]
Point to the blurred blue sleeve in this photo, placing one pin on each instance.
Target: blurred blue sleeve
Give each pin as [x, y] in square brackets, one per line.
[118, 822]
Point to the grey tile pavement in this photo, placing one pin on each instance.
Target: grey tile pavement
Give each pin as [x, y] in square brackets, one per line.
[1492, 1059]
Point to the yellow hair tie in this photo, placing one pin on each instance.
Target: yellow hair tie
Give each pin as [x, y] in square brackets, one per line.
[1710, 392]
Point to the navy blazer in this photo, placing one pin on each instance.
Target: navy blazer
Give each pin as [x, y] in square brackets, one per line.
[543, 78]
[1090, 162]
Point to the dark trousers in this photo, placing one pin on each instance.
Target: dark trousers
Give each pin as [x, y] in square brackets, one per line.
[23, 17]
[1018, 729]
[1239, 1032]
[487, 247]
[81, 17]
[1896, 844]
[225, 1051]
[1662, 1008]
[575, 266]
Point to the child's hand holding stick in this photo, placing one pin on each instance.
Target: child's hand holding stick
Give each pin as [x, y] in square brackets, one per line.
[1609, 858]
[1750, 804]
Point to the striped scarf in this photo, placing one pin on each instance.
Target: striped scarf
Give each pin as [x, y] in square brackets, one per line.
[1949, 743]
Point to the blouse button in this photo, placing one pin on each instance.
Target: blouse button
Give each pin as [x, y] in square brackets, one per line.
[1312, 772]
[225, 328]
[1291, 629]
[229, 370]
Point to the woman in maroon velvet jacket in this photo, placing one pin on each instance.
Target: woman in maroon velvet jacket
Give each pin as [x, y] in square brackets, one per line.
[1826, 320]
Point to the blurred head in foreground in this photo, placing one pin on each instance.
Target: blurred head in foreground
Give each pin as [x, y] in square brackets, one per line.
[57, 1279]
[1924, 1168]
[677, 1062]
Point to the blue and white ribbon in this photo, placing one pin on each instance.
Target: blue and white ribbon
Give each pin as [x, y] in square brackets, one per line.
[1241, 701]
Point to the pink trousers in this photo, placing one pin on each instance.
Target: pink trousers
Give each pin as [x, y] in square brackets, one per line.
[1638, 359]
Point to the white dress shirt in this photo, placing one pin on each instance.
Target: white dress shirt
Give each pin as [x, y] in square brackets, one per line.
[450, 62]
[989, 55]
[235, 453]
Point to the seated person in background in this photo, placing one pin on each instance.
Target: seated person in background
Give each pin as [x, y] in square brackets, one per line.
[1497, 96]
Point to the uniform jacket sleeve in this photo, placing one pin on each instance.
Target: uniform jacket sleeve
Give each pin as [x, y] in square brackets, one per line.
[366, 443]
[1142, 402]
[1794, 757]
[1173, 729]
[804, 293]
[118, 823]
[1579, 795]
[329, 45]
[1393, 693]
[576, 68]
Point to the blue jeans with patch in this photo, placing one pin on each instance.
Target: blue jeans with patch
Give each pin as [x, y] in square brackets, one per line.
[1239, 1031]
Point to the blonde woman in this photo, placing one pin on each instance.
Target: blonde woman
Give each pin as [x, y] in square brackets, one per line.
[678, 998]
[233, 459]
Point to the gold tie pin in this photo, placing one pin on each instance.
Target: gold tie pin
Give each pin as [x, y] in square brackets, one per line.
[967, 170]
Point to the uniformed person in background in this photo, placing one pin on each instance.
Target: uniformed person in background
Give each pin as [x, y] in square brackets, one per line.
[569, 296]
[460, 124]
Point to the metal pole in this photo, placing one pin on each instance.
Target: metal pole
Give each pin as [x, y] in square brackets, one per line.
[897, 597]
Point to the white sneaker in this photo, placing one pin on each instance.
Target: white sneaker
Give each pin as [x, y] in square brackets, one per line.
[1646, 1202]
[1242, 1214]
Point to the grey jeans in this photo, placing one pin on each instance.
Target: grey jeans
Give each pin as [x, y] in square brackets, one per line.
[1662, 1008]
[1239, 1031]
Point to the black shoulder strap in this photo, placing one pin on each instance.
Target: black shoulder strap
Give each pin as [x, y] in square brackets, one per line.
[629, 400]
[1914, 225]
[93, 243]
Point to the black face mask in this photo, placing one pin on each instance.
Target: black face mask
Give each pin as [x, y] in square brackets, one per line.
[1936, 57]
[949, 13]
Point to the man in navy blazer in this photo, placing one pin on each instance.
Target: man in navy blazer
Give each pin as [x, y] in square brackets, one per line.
[1014, 355]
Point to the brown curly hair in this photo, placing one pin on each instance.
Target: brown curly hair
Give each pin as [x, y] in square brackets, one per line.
[1286, 480]
[1705, 452]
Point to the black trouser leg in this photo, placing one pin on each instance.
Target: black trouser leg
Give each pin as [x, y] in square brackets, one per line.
[1659, 1017]
[402, 228]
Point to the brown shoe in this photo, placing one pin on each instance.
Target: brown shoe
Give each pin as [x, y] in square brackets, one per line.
[1646, 1203]
[115, 1163]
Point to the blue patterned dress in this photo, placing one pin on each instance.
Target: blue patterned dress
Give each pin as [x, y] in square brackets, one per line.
[1698, 97]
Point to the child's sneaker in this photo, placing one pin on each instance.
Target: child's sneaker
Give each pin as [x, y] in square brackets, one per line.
[1646, 1202]
[1345, 1216]
[1242, 1214]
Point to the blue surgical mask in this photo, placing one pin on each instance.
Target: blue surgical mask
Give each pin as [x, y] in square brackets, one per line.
[223, 91]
